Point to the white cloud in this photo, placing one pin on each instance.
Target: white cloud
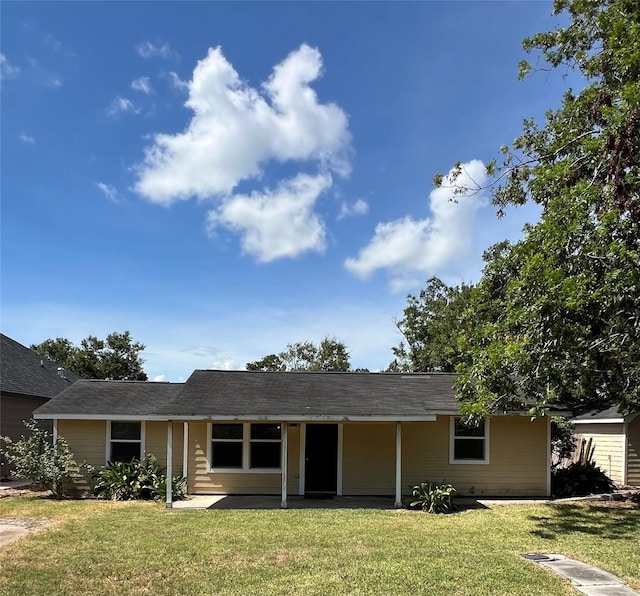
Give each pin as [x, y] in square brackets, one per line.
[147, 50]
[7, 70]
[177, 82]
[28, 139]
[235, 130]
[279, 223]
[143, 85]
[159, 379]
[408, 246]
[111, 192]
[53, 80]
[121, 105]
[360, 207]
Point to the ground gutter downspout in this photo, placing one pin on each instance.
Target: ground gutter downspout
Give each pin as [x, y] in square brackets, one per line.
[169, 499]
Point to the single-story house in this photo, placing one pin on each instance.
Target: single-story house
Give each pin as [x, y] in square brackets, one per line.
[615, 441]
[27, 380]
[241, 432]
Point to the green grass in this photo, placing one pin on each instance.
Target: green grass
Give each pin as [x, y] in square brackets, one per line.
[139, 548]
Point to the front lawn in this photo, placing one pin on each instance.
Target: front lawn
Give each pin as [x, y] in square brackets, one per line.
[139, 548]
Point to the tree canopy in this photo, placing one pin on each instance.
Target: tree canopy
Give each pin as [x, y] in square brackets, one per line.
[431, 325]
[116, 358]
[555, 317]
[329, 355]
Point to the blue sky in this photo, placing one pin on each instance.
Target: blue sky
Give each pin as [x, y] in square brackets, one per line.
[222, 179]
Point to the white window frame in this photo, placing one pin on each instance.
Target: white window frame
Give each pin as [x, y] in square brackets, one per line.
[452, 443]
[246, 449]
[142, 440]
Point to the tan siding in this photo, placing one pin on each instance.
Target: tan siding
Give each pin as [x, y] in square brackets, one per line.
[201, 481]
[87, 440]
[633, 453]
[608, 447]
[369, 459]
[518, 458]
[156, 443]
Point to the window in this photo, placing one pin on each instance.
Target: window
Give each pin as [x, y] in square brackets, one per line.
[469, 444]
[125, 441]
[245, 447]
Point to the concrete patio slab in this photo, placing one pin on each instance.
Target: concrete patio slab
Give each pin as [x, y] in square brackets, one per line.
[273, 502]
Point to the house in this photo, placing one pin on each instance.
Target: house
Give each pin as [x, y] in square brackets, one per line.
[615, 441]
[240, 432]
[27, 380]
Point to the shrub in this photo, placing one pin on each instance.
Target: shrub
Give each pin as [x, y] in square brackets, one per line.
[123, 481]
[433, 498]
[178, 488]
[580, 479]
[37, 458]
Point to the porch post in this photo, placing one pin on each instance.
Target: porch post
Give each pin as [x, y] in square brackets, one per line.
[283, 464]
[169, 499]
[185, 449]
[398, 503]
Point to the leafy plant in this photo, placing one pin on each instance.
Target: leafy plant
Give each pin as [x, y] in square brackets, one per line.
[123, 481]
[433, 498]
[38, 458]
[580, 479]
[178, 488]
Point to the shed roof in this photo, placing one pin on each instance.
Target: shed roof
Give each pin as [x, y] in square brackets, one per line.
[25, 372]
[262, 395]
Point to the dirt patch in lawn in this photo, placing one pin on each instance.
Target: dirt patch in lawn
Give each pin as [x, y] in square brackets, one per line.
[14, 528]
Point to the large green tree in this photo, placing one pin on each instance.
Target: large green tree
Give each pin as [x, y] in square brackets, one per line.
[558, 313]
[431, 325]
[117, 357]
[329, 355]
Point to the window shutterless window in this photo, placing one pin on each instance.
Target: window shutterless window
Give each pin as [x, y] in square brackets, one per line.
[469, 444]
[245, 447]
[125, 441]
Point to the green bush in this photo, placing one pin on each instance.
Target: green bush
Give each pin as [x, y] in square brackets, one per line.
[37, 458]
[433, 498]
[178, 488]
[580, 479]
[123, 481]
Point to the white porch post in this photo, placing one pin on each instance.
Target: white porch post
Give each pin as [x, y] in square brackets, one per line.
[169, 499]
[185, 449]
[283, 464]
[55, 432]
[398, 503]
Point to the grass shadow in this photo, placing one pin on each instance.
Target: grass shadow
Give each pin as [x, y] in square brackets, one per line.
[597, 520]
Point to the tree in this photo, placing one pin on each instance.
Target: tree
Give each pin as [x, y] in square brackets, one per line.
[431, 326]
[38, 458]
[564, 302]
[329, 355]
[116, 358]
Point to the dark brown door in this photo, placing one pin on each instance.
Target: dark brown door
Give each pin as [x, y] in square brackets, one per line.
[321, 459]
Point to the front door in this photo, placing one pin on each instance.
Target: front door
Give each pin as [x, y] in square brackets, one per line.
[321, 459]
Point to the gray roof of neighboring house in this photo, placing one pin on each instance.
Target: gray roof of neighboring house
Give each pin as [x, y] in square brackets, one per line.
[25, 372]
[108, 398]
[228, 394]
[611, 412]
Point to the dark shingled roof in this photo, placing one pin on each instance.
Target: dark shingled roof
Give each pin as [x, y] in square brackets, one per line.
[611, 412]
[104, 398]
[287, 394]
[25, 372]
[211, 393]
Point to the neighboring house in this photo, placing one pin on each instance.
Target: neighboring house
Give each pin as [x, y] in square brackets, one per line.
[616, 443]
[27, 380]
[304, 434]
